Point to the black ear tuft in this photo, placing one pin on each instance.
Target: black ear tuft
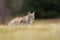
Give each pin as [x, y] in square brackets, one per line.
[33, 13]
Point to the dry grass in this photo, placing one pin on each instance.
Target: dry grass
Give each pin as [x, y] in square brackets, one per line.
[40, 30]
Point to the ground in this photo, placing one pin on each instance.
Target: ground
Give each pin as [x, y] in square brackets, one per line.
[43, 29]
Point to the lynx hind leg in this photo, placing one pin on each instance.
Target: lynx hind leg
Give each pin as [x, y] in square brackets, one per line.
[14, 23]
[10, 23]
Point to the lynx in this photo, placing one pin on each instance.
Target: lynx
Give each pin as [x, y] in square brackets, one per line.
[26, 20]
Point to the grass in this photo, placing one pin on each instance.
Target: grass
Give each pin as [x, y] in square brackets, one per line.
[40, 30]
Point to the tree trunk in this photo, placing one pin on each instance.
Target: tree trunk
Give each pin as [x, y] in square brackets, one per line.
[3, 11]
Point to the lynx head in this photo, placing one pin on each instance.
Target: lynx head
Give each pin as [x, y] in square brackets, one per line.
[31, 17]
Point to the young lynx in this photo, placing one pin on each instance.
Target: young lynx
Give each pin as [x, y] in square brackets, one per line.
[25, 20]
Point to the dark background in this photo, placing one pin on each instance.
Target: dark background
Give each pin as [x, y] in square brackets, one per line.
[44, 9]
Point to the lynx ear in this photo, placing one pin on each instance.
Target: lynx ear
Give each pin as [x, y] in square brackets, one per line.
[33, 13]
[29, 13]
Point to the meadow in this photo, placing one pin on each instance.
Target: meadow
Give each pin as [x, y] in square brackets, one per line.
[44, 29]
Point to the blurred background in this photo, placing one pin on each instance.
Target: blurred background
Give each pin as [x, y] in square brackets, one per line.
[44, 9]
[46, 25]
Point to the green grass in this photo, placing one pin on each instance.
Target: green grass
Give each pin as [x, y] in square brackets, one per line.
[40, 30]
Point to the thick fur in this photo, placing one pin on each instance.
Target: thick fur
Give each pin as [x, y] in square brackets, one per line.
[26, 20]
